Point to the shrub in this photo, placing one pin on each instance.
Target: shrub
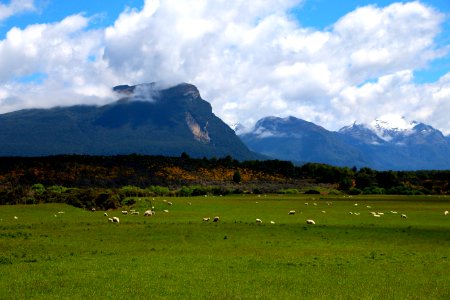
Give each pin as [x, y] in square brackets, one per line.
[312, 192]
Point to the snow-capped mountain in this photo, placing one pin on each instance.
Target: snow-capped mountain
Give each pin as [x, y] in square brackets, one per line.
[394, 130]
[387, 143]
[391, 127]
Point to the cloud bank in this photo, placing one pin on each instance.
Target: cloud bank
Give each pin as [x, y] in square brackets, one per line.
[249, 59]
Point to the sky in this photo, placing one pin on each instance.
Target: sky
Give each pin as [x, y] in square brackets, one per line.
[328, 62]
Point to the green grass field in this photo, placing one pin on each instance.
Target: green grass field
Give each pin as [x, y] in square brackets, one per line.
[175, 255]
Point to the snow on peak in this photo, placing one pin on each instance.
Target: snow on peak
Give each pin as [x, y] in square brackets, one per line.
[389, 126]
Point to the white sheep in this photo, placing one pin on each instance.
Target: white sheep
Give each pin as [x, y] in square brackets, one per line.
[291, 212]
[311, 222]
[446, 213]
[149, 213]
[323, 211]
[124, 212]
[216, 219]
[116, 220]
[403, 216]
[135, 213]
[169, 203]
[258, 221]
[15, 218]
[105, 214]
[166, 211]
[206, 219]
[110, 220]
[272, 222]
[377, 216]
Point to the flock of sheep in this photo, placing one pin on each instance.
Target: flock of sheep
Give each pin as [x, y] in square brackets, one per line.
[151, 212]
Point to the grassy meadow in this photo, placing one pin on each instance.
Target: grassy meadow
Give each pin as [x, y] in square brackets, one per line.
[47, 254]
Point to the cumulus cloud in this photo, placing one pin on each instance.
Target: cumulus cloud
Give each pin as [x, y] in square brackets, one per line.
[250, 59]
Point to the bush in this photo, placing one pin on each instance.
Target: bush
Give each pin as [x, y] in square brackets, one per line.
[312, 192]
[288, 191]
[354, 191]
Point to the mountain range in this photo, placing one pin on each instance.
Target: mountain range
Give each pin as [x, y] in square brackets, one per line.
[146, 120]
[378, 145]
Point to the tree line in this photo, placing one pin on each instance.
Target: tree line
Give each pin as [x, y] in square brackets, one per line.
[112, 181]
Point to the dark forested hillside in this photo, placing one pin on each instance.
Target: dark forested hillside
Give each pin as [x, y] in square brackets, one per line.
[146, 120]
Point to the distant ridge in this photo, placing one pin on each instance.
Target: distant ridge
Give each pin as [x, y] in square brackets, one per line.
[379, 145]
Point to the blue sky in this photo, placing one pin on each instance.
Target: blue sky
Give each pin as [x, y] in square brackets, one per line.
[329, 62]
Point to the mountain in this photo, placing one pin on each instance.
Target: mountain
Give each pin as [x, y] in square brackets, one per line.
[146, 120]
[392, 144]
[413, 147]
[300, 141]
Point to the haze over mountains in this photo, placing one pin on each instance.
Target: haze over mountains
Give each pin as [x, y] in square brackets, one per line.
[170, 121]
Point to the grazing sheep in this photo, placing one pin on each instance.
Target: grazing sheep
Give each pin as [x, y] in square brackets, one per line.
[356, 204]
[206, 219]
[272, 222]
[377, 216]
[166, 211]
[393, 212]
[446, 213]
[135, 213]
[306, 203]
[15, 218]
[149, 213]
[291, 212]
[258, 221]
[124, 212]
[60, 212]
[368, 206]
[403, 216]
[116, 220]
[169, 203]
[105, 214]
[216, 219]
[315, 204]
[357, 214]
[311, 222]
[350, 213]
[323, 211]
[93, 209]
[110, 220]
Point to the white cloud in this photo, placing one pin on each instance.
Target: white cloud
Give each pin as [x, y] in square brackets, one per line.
[250, 59]
[15, 7]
